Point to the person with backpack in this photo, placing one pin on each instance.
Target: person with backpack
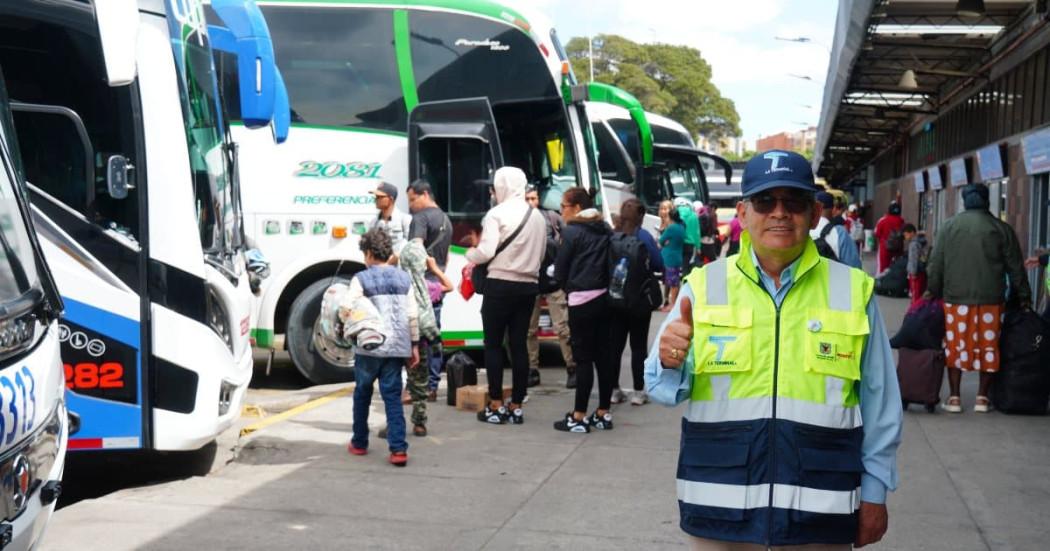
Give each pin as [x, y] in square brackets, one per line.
[672, 241]
[691, 223]
[557, 305]
[976, 260]
[832, 240]
[638, 296]
[582, 271]
[889, 237]
[916, 243]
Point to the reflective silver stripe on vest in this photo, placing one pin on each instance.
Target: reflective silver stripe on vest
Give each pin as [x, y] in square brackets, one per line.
[827, 415]
[717, 286]
[840, 292]
[754, 496]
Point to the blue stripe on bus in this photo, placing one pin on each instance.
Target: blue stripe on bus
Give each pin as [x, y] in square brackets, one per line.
[112, 325]
[103, 418]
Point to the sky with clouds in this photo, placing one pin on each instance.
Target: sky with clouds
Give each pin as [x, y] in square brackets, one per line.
[737, 37]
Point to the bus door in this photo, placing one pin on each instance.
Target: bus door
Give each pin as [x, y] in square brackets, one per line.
[455, 145]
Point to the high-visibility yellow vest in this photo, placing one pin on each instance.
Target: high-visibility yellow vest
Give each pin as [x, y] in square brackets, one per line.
[771, 440]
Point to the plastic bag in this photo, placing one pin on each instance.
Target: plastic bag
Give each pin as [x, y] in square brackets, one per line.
[466, 286]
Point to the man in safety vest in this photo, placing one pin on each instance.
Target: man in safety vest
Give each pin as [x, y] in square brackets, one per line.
[781, 354]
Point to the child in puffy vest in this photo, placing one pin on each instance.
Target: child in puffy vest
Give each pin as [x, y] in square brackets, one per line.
[389, 289]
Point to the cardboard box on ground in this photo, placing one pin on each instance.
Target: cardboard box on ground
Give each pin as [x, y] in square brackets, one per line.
[474, 397]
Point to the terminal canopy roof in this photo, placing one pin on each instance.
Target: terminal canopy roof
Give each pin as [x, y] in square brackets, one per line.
[896, 63]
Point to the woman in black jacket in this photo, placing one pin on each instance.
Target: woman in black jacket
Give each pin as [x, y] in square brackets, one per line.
[582, 270]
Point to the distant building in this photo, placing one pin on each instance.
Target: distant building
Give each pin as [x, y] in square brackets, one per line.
[802, 140]
[722, 146]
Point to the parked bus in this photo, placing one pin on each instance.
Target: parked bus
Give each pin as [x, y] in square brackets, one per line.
[34, 424]
[678, 168]
[133, 185]
[394, 91]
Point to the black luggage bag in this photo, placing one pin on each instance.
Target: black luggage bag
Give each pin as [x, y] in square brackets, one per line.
[460, 370]
[1022, 384]
[894, 281]
[920, 374]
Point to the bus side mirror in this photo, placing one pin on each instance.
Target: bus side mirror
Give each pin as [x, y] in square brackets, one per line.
[118, 176]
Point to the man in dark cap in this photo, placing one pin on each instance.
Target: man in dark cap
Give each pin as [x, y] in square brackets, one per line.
[975, 258]
[794, 417]
[833, 235]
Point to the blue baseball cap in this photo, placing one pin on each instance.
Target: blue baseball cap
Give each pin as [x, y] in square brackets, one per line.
[777, 168]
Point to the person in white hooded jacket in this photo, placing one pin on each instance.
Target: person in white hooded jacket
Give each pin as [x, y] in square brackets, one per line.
[510, 290]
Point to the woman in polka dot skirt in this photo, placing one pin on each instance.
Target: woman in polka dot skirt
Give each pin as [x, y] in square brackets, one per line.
[974, 258]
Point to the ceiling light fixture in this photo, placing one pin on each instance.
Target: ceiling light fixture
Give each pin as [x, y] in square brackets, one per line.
[970, 8]
[908, 80]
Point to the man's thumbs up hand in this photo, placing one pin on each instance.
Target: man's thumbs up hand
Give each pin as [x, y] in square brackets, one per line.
[677, 337]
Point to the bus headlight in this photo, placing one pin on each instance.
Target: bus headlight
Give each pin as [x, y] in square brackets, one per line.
[23, 470]
[218, 318]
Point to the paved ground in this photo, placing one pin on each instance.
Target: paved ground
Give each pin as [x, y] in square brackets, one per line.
[968, 482]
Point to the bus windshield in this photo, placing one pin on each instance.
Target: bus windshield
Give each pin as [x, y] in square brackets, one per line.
[17, 267]
[205, 136]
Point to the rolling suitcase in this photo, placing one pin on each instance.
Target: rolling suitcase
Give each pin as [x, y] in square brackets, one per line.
[920, 374]
[460, 371]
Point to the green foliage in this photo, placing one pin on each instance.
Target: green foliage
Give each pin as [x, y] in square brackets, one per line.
[674, 81]
[732, 157]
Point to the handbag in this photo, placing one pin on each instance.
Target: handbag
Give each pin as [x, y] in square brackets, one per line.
[480, 275]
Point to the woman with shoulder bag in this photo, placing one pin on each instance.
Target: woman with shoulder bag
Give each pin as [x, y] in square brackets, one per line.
[509, 252]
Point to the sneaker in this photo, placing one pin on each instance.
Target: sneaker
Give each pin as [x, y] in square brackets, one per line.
[570, 424]
[639, 397]
[498, 417]
[952, 405]
[601, 423]
[399, 459]
[570, 381]
[419, 430]
[517, 417]
[982, 405]
[356, 451]
[382, 432]
[618, 396]
[534, 377]
[432, 395]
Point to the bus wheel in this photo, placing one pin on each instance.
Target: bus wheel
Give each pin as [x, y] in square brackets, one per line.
[318, 360]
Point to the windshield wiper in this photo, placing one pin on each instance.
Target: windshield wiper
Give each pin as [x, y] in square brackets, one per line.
[21, 277]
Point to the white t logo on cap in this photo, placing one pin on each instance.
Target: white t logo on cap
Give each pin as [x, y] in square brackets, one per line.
[775, 157]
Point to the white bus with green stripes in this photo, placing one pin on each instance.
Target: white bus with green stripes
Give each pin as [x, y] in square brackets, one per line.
[449, 90]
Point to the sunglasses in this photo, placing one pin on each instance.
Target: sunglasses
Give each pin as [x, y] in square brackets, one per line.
[795, 203]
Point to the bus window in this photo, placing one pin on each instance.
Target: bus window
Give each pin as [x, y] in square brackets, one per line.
[627, 132]
[461, 56]
[71, 81]
[662, 134]
[610, 157]
[339, 66]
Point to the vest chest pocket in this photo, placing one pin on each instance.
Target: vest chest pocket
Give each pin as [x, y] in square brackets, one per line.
[835, 342]
[721, 339]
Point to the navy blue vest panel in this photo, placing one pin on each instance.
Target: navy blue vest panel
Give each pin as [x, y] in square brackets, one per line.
[769, 482]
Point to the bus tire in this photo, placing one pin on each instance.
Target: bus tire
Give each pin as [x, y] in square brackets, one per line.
[316, 365]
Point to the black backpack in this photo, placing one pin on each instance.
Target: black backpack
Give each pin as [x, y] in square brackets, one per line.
[823, 247]
[895, 242]
[641, 290]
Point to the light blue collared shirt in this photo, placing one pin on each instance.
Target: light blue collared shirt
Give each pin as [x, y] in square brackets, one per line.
[880, 399]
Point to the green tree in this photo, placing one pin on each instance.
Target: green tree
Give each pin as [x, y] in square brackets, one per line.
[674, 81]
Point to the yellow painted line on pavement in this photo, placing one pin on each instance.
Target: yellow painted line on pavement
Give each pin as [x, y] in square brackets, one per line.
[285, 415]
